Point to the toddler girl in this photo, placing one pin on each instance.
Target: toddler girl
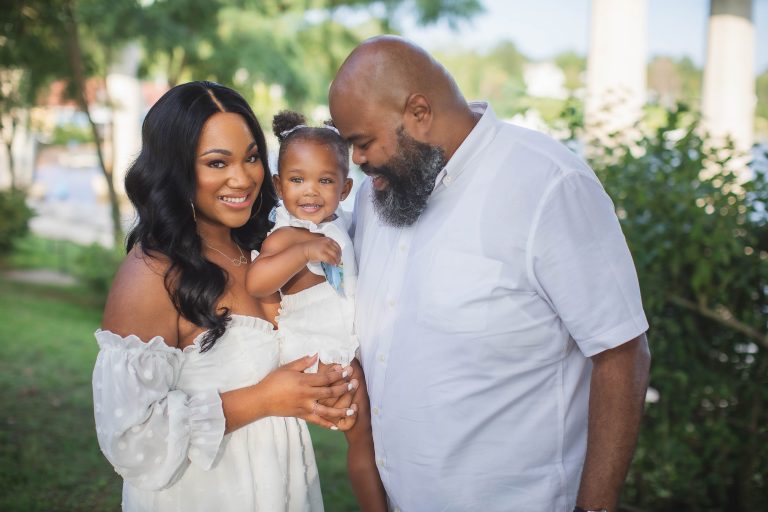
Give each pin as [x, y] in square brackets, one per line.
[308, 256]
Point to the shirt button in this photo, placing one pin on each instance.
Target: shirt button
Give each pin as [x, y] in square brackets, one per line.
[447, 180]
[375, 411]
[403, 247]
[380, 462]
[382, 358]
[391, 303]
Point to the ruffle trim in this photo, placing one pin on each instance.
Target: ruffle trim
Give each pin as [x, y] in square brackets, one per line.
[108, 340]
[206, 428]
[335, 355]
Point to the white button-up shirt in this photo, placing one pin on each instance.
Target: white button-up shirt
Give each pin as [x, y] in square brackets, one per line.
[476, 324]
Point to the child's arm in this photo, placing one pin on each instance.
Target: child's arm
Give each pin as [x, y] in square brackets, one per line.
[361, 461]
[284, 254]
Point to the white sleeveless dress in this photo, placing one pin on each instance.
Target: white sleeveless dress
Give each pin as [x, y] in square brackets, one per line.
[159, 421]
[321, 318]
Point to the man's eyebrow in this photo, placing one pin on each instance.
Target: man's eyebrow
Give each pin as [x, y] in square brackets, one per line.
[355, 136]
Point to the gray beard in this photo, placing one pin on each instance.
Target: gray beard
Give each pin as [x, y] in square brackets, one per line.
[411, 175]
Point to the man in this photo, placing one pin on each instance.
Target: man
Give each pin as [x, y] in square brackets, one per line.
[498, 310]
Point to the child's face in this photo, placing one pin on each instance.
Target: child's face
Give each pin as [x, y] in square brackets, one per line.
[310, 182]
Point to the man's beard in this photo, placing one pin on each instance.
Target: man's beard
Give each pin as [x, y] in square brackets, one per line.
[410, 176]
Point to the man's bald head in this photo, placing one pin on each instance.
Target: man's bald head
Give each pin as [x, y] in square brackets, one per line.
[387, 70]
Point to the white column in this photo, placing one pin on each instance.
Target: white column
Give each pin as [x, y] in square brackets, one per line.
[728, 102]
[127, 107]
[616, 65]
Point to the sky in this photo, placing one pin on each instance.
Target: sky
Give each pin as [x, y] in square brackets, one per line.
[544, 28]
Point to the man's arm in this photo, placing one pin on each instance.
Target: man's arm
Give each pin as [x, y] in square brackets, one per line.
[616, 399]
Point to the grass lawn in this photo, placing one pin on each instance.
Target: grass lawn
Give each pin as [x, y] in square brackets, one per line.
[49, 458]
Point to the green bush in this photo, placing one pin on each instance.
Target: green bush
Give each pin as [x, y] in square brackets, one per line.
[95, 266]
[14, 218]
[70, 133]
[699, 237]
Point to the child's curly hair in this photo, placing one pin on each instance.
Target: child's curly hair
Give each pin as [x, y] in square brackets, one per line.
[289, 127]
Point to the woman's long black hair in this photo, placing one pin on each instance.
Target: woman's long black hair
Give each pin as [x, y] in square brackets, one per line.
[161, 185]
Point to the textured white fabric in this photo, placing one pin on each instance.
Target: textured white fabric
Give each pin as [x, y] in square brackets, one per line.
[318, 319]
[476, 324]
[159, 421]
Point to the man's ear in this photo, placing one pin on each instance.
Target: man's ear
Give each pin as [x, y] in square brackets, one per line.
[417, 118]
[278, 185]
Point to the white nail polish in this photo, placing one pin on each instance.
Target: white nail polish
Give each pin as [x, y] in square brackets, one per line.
[350, 412]
[350, 387]
[344, 374]
[334, 427]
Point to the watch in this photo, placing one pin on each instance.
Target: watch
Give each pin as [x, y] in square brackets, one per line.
[579, 509]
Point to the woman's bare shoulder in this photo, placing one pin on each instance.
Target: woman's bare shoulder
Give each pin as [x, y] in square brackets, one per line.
[138, 302]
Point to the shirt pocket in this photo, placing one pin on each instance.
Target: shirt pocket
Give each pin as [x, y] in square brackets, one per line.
[456, 291]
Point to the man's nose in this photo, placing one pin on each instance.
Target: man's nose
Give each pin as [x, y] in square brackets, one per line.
[358, 156]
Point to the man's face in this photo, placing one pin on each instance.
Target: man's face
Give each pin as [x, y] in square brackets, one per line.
[402, 185]
[402, 169]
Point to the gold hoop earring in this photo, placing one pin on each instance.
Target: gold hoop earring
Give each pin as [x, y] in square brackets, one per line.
[194, 217]
[255, 211]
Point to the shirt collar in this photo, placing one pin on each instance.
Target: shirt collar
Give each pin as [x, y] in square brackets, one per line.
[483, 132]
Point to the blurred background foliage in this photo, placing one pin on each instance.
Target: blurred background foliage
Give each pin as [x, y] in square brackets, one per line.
[695, 222]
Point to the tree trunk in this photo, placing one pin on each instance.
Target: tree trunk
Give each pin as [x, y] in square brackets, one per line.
[9, 148]
[75, 54]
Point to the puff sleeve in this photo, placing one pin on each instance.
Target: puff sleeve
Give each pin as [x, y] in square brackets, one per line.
[148, 430]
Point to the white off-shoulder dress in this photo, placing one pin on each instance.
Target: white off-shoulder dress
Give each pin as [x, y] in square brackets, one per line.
[160, 422]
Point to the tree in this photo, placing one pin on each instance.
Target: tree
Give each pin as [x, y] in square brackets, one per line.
[29, 60]
[297, 45]
[105, 26]
[699, 237]
[674, 80]
[574, 66]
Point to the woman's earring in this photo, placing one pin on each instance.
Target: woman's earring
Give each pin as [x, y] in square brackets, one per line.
[194, 217]
[255, 211]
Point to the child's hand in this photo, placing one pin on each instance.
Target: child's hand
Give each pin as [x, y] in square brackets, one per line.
[322, 249]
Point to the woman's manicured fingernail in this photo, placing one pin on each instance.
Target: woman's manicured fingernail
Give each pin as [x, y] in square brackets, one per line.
[344, 374]
[334, 427]
[350, 412]
[352, 385]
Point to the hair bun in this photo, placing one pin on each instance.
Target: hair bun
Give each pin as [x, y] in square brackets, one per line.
[285, 120]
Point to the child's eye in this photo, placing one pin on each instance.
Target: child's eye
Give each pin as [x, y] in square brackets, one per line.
[326, 181]
[217, 164]
[295, 179]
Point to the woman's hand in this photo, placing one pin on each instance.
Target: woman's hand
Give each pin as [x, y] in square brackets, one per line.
[287, 391]
[347, 400]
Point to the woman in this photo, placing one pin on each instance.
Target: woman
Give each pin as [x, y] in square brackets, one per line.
[191, 407]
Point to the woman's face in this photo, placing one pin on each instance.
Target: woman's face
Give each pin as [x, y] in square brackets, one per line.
[229, 172]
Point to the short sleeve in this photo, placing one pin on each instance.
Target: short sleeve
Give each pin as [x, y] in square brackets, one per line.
[581, 265]
[148, 430]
